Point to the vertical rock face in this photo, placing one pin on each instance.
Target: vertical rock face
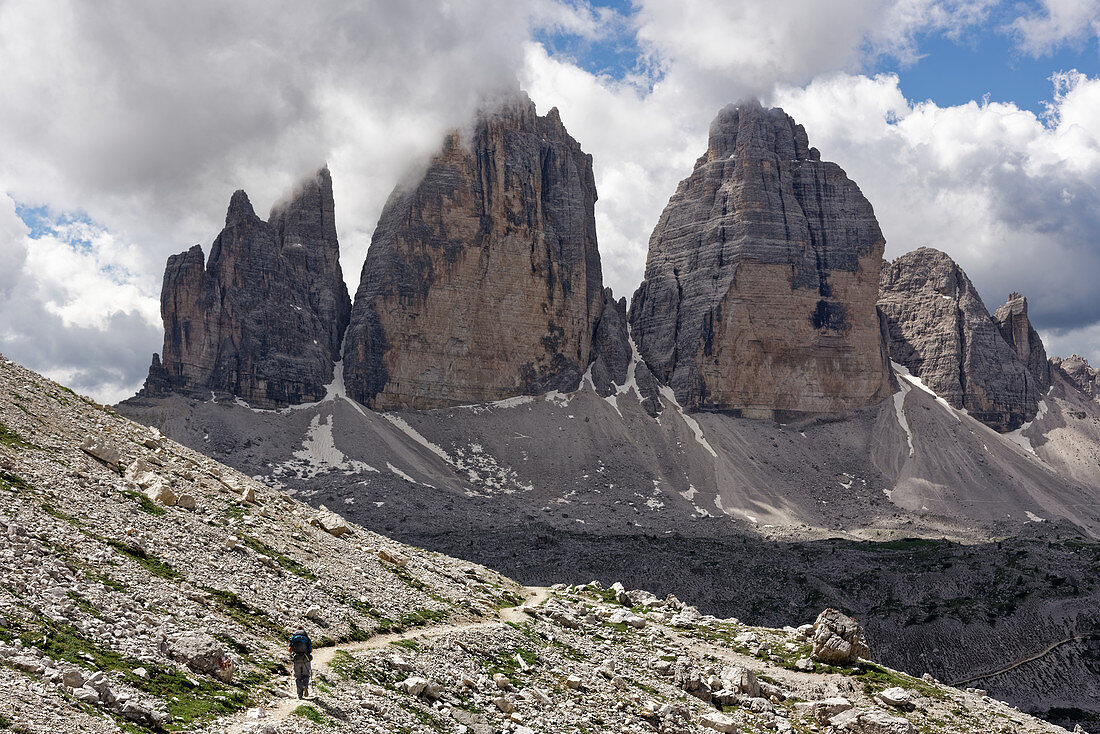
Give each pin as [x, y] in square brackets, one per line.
[762, 276]
[941, 331]
[484, 280]
[263, 319]
[1077, 370]
[1016, 328]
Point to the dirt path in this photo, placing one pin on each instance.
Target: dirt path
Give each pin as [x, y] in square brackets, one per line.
[323, 656]
[1018, 663]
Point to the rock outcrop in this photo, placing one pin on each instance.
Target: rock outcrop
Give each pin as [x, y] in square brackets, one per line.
[1080, 374]
[483, 281]
[761, 281]
[264, 317]
[1016, 328]
[940, 330]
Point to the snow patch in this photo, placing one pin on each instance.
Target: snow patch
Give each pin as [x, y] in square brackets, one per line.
[667, 394]
[400, 473]
[412, 433]
[904, 373]
[1033, 517]
[319, 454]
[899, 408]
[1017, 437]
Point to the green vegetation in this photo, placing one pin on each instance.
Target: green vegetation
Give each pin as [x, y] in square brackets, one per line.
[150, 563]
[412, 645]
[286, 562]
[13, 440]
[14, 483]
[876, 679]
[188, 698]
[309, 713]
[59, 515]
[144, 503]
[242, 612]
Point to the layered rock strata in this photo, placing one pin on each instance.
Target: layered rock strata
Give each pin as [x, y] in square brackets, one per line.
[940, 330]
[1015, 326]
[263, 318]
[762, 276]
[483, 281]
[615, 366]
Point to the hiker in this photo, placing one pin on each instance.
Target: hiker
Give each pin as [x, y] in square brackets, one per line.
[301, 647]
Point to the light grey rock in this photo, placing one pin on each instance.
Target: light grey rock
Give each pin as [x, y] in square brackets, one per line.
[99, 448]
[940, 331]
[1080, 374]
[203, 654]
[1016, 328]
[838, 639]
[759, 291]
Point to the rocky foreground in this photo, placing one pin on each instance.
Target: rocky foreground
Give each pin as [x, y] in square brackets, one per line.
[144, 587]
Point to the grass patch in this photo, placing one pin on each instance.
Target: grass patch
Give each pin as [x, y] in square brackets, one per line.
[144, 503]
[14, 483]
[59, 515]
[150, 563]
[13, 440]
[242, 612]
[309, 713]
[288, 563]
[410, 644]
[876, 679]
[186, 702]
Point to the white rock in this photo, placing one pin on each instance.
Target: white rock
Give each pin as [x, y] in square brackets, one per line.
[897, 697]
[719, 722]
[160, 492]
[413, 685]
[314, 612]
[871, 721]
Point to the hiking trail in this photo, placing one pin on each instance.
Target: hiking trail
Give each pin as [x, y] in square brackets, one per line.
[323, 656]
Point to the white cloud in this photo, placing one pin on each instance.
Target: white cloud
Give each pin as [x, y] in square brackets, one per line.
[1012, 200]
[1060, 23]
[13, 251]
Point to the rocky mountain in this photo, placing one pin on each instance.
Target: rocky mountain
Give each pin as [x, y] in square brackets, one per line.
[483, 281]
[1016, 328]
[1077, 370]
[940, 331]
[263, 318]
[145, 587]
[762, 276]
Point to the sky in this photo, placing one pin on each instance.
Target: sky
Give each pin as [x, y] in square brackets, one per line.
[972, 126]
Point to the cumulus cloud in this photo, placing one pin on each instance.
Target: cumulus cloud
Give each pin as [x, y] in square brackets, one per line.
[1058, 23]
[1010, 196]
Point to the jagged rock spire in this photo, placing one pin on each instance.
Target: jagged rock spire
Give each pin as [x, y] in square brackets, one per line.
[483, 281]
[264, 317]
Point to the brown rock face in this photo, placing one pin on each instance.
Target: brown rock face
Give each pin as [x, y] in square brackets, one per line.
[941, 331]
[762, 276]
[484, 280]
[1015, 327]
[264, 318]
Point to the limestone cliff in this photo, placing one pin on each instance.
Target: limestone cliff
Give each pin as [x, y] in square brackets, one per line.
[264, 317]
[762, 276]
[483, 281]
[1016, 328]
[941, 331]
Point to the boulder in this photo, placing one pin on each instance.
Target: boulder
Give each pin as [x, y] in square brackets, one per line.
[760, 284]
[838, 639]
[99, 448]
[203, 654]
[392, 556]
[73, 677]
[160, 492]
[413, 685]
[741, 680]
[718, 722]
[897, 697]
[483, 280]
[264, 316]
[330, 522]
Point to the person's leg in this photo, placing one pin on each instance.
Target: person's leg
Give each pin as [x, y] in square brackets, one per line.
[301, 678]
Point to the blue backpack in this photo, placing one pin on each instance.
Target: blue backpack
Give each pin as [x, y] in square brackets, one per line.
[300, 644]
